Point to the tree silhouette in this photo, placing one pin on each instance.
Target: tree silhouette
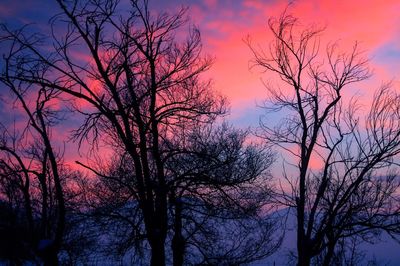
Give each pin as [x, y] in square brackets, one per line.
[31, 171]
[218, 188]
[140, 92]
[221, 186]
[352, 192]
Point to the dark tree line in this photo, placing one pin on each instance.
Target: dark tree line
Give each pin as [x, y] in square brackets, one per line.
[182, 186]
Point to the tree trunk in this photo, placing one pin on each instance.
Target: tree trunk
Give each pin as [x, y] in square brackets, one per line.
[178, 244]
[52, 259]
[303, 250]
[304, 259]
[157, 252]
[330, 252]
[48, 252]
[60, 225]
[302, 240]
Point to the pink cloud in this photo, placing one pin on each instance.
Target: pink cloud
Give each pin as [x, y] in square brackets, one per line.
[211, 3]
[371, 23]
[374, 24]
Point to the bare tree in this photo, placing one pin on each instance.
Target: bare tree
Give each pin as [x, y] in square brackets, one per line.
[29, 161]
[140, 88]
[352, 192]
[218, 187]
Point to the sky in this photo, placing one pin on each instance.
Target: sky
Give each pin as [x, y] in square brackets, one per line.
[225, 24]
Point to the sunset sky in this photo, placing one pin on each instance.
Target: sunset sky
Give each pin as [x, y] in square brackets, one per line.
[224, 24]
